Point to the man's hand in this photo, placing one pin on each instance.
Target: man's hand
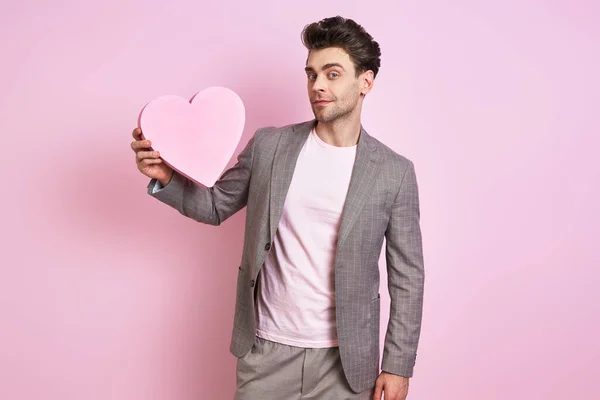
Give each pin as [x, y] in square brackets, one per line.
[395, 387]
[148, 161]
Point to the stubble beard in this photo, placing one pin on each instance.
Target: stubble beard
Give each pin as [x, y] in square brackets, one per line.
[337, 112]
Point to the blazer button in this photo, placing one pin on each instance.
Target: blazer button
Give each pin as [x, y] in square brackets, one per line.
[268, 246]
[252, 283]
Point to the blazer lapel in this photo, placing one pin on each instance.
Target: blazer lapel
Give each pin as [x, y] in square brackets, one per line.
[364, 174]
[284, 164]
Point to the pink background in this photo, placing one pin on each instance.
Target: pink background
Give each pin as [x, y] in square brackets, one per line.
[107, 294]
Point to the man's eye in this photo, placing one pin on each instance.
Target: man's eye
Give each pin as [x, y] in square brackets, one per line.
[311, 76]
[334, 75]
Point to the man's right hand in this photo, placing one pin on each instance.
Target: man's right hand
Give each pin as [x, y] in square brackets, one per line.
[148, 161]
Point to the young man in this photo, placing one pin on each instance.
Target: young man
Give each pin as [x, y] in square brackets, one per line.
[321, 195]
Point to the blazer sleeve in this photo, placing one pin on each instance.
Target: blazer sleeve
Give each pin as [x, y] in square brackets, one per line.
[404, 259]
[209, 205]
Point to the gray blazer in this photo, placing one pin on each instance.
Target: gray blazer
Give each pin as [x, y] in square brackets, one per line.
[382, 202]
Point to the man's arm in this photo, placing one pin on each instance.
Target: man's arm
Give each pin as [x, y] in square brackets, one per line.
[210, 205]
[404, 257]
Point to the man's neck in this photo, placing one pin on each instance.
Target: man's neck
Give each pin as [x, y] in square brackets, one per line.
[340, 133]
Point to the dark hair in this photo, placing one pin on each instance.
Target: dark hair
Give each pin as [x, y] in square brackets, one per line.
[348, 35]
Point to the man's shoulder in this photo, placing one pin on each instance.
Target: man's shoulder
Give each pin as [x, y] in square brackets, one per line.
[274, 130]
[391, 156]
[268, 136]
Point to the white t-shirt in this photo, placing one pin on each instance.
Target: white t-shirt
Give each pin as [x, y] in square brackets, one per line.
[296, 296]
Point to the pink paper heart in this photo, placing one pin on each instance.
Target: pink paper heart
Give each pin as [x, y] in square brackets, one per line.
[196, 137]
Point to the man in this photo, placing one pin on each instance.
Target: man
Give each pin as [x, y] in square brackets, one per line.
[321, 197]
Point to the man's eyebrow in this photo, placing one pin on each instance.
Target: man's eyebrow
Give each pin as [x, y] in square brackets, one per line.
[324, 67]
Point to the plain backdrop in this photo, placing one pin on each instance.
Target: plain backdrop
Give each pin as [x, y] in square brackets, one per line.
[105, 293]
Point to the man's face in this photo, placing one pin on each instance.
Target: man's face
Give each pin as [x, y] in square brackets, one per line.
[333, 88]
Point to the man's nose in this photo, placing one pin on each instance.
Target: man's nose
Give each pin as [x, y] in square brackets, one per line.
[320, 84]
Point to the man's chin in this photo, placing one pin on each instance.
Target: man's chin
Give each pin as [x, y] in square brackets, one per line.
[321, 117]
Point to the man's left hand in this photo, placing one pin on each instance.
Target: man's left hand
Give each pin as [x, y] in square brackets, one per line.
[395, 387]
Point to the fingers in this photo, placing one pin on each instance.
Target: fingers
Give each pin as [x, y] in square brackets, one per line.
[378, 389]
[137, 133]
[144, 155]
[149, 161]
[141, 144]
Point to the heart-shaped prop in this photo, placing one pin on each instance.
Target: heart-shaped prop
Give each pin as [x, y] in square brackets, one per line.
[196, 137]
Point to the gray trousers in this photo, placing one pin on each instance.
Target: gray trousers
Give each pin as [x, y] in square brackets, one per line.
[275, 371]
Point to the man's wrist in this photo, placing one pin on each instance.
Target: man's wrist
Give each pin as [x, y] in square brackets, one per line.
[391, 373]
[165, 182]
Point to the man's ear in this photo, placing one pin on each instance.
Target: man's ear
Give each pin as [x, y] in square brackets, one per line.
[367, 80]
